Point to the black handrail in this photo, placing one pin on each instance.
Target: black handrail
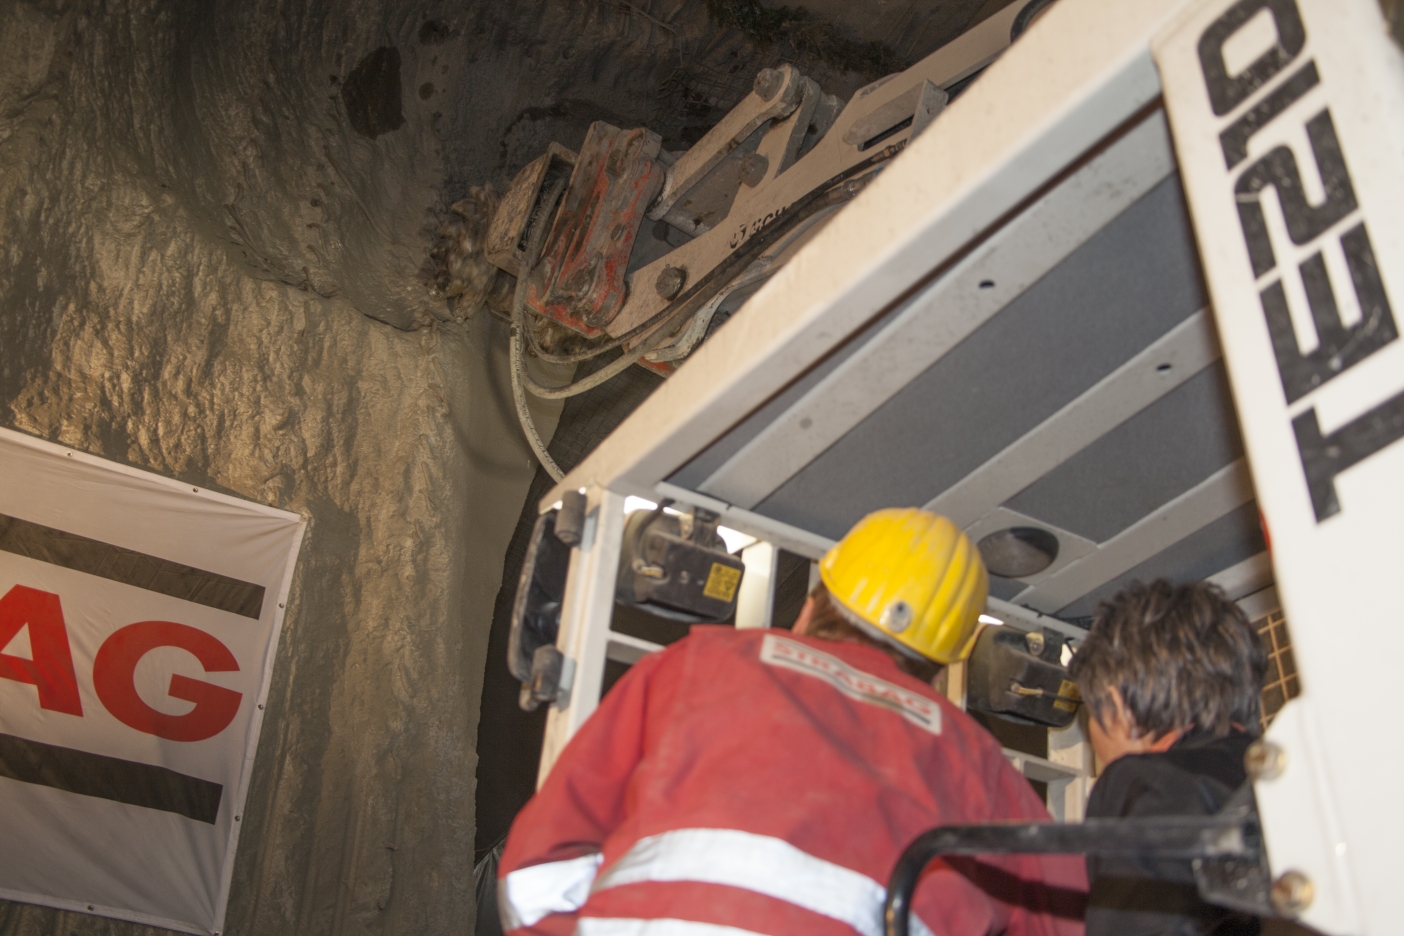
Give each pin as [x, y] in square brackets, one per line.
[1231, 834]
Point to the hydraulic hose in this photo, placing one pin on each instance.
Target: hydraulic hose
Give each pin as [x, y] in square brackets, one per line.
[518, 361]
[612, 369]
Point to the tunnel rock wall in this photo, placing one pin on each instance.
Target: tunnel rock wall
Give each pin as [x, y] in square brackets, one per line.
[199, 256]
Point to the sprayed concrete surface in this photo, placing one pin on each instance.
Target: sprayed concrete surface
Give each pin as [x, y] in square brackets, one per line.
[197, 262]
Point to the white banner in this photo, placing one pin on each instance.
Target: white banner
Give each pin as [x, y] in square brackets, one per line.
[138, 621]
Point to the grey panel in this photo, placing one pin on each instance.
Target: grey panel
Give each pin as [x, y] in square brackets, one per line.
[1147, 461]
[705, 463]
[1120, 291]
[1005, 589]
[1226, 542]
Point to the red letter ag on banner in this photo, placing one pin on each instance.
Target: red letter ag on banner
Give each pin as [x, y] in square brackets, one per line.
[114, 669]
[51, 670]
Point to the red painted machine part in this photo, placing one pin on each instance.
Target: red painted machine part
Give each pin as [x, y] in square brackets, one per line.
[579, 281]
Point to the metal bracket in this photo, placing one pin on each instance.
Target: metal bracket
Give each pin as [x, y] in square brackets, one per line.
[580, 279]
[552, 676]
[506, 237]
[783, 85]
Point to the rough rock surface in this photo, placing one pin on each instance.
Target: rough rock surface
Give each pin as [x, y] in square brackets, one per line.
[188, 245]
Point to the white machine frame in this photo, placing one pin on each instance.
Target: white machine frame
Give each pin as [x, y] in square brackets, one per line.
[1086, 72]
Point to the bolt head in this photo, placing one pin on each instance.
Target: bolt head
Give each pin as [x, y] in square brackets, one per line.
[753, 170]
[897, 617]
[769, 81]
[670, 282]
[1292, 893]
[1264, 761]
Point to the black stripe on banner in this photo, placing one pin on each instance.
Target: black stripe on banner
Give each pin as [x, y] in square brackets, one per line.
[109, 778]
[129, 567]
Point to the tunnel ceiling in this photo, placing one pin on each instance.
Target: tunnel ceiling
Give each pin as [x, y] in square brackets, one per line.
[911, 28]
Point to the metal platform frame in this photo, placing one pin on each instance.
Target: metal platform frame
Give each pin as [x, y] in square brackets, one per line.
[1085, 80]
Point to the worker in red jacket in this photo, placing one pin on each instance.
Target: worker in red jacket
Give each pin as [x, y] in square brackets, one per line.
[753, 781]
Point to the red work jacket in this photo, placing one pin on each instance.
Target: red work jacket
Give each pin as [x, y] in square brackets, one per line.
[753, 781]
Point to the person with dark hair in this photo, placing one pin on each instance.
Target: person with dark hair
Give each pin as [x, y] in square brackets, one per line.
[1172, 676]
[762, 782]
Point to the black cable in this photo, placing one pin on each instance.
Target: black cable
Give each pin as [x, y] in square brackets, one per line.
[517, 351]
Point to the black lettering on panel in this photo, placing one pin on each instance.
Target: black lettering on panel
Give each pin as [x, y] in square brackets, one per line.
[1290, 360]
[1278, 170]
[1228, 91]
[1339, 348]
[1325, 457]
[1235, 139]
[1376, 314]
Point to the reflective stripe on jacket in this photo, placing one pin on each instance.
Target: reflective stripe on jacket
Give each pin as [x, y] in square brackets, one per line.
[756, 782]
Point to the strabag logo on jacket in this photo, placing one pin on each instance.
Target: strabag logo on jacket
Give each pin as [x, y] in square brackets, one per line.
[854, 683]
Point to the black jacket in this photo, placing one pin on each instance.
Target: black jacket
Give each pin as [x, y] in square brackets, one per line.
[1143, 897]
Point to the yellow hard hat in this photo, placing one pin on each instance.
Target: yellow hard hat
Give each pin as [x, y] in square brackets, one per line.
[914, 578]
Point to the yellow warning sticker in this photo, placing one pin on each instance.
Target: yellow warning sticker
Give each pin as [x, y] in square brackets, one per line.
[722, 582]
[1068, 696]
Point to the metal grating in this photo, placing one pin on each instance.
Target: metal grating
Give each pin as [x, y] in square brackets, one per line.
[1281, 683]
